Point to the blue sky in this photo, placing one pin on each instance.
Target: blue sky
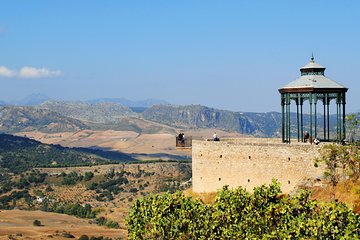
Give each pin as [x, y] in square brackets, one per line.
[224, 54]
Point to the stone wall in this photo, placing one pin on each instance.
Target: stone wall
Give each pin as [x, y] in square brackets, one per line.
[252, 162]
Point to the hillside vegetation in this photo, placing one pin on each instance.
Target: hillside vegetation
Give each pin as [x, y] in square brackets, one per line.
[238, 214]
[16, 119]
[18, 154]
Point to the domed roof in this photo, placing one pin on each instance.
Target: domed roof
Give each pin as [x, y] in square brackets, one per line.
[312, 65]
[312, 79]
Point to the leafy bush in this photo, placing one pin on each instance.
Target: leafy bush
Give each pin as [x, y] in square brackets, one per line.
[238, 214]
[88, 176]
[73, 209]
[133, 190]
[107, 222]
[72, 178]
[37, 223]
[15, 195]
[340, 161]
[49, 189]
[84, 237]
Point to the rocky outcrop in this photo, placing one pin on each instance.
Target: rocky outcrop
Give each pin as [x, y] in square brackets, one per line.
[16, 119]
[197, 116]
[101, 112]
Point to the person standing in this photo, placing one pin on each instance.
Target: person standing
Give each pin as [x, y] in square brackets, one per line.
[306, 136]
[215, 137]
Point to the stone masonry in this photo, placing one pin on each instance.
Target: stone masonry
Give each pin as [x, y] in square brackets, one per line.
[251, 162]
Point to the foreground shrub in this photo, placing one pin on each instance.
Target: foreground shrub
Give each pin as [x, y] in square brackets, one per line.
[237, 214]
[84, 237]
[37, 223]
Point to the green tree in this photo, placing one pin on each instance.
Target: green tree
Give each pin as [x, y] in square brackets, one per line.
[353, 122]
[88, 176]
[340, 161]
[84, 237]
[37, 223]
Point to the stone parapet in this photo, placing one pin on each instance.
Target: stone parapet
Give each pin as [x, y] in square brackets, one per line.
[251, 162]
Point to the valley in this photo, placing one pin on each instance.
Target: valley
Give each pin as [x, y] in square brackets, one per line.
[157, 146]
[84, 165]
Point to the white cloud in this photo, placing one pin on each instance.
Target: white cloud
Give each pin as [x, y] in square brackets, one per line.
[30, 72]
[5, 72]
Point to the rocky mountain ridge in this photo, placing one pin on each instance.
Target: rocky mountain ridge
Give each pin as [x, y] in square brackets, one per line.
[26, 118]
[101, 112]
[58, 116]
[197, 116]
[129, 103]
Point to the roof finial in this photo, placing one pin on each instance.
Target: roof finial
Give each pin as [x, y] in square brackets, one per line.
[312, 57]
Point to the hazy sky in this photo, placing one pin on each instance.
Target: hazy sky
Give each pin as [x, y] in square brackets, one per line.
[224, 54]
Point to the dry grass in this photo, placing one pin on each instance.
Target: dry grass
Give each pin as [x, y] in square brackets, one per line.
[346, 191]
[20, 223]
[208, 198]
[129, 142]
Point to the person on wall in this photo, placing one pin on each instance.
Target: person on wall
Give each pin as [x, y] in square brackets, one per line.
[306, 136]
[215, 137]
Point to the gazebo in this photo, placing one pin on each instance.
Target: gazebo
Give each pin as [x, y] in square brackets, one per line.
[313, 86]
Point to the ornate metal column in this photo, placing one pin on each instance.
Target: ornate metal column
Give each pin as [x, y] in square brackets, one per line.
[338, 129]
[315, 102]
[310, 102]
[328, 117]
[337, 120]
[344, 119]
[324, 104]
[301, 118]
[282, 118]
[297, 116]
[288, 117]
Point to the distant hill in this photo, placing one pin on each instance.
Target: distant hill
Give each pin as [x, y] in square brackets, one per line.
[31, 100]
[197, 116]
[50, 118]
[101, 112]
[18, 154]
[141, 104]
[62, 116]
[26, 118]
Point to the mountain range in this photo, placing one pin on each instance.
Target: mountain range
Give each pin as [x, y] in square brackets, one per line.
[66, 116]
[29, 118]
[37, 99]
[129, 103]
[100, 112]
